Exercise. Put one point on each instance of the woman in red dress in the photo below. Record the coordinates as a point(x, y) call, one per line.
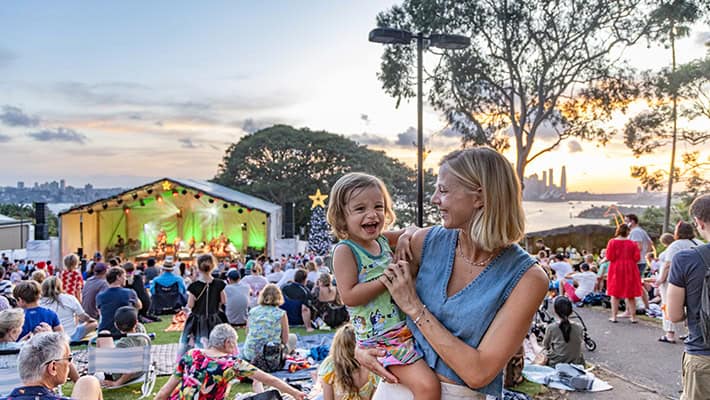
point(623, 281)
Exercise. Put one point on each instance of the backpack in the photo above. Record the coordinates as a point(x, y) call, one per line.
point(704, 320)
point(335, 315)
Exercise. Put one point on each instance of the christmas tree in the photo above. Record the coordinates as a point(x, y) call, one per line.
point(319, 229)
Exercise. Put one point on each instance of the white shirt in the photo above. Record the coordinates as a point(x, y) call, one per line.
point(313, 276)
point(561, 269)
point(274, 277)
point(67, 311)
point(586, 281)
point(288, 276)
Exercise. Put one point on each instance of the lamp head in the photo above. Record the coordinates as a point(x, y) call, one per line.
point(449, 42)
point(390, 36)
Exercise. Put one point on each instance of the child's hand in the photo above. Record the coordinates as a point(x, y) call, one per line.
point(403, 251)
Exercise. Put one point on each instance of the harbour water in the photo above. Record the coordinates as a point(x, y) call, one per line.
point(540, 215)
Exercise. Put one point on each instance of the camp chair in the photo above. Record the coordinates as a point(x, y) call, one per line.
point(9, 377)
point(124, 360)
point(167, 299)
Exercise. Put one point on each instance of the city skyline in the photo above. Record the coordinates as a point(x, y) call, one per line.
point(120, 94)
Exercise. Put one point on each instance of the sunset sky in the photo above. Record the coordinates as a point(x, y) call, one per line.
point(118, 93)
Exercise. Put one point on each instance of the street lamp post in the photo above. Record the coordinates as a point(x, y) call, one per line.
point(442, 41)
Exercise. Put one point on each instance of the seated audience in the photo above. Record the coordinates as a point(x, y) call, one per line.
point(11, 322)
point(151, 270)
point(167, 278)
point(602, 272)
point(5, 284)
point(237, 305)
point(563, 339)
point(191, 377)
point(27, 294)
point(267, 323)
point(313, 274)
point(585, 281)
point(92, 287)
point(113, 298)
point(126, 320)
point(44, 364)
point(325, 298)
point(276, 273)
point(71, 279)
point(134, 280)
point(67, 308)
point(297, 291)
point(256, 282)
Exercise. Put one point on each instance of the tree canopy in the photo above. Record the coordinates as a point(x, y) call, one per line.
point(535, 68)
point(282, 164)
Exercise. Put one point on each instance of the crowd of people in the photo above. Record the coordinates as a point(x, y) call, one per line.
point(396, 298)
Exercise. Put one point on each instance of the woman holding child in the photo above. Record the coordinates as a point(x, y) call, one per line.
point(476, 290)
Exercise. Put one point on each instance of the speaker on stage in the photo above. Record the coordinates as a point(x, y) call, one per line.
point(40, 213)
point(41, 232)
point(288, 221)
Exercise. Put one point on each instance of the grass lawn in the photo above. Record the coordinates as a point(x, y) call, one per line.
point(161, 337)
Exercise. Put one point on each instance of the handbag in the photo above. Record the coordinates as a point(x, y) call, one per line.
point(335, 315)
point(272, 357)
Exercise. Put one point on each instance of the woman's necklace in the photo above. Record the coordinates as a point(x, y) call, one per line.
point(470, 262)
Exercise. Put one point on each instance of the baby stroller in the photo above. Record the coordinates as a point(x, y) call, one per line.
point(543, 318)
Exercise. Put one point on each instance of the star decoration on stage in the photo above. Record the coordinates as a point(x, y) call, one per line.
point(318, 199)
point(166, 186)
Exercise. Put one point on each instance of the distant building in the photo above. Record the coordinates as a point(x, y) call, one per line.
point(545, 189)
point(20, 185)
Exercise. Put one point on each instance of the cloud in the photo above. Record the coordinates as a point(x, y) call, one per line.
point(13, 116)
point(370, 139)
point(702, 38)
point(407, 138)
point(250, 126)
point(5, 138)
point(574, 146)
point(187, 143)
point(59, 135)
point(6, 57)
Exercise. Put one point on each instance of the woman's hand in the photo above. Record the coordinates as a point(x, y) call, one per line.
point(397, 278)
point(368, 359)
point(403, 251)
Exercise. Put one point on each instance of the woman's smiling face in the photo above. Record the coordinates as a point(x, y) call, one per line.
point(457, 204)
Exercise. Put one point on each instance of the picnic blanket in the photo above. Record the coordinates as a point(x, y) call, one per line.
point(178, 322)
point(548, 376)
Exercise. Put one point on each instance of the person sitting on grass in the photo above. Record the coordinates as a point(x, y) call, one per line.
point(27, 294)
point(192, 378)
point(341, 376)
point(126, 321)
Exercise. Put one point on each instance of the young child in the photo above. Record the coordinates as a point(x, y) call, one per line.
point(341, 376)
point(72, 282)
point(126, 320)
point(360, 209)
point(27, 294)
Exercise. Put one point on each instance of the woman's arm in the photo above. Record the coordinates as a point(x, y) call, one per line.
point(190, 300)
point(222, 298)
point(352, 292)
point(284, 329)
point(277, 383)
point(664, 276)
point(168, 388)
point(328, 393)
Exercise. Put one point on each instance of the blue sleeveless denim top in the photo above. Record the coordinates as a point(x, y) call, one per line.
point(468, 313)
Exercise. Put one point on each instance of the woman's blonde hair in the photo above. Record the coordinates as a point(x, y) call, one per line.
point(341, 193)
point(325, 279)
point(38, 276)
point(310, 266)
point(271, 296)
point(71, 261)
point(342, 352)
point(501, 221)
point(10, 319)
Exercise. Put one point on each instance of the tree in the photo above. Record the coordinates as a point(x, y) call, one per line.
point(282, 164)
point(534, 68)
point(27, 213)
point(673, 92)
point(319, 232)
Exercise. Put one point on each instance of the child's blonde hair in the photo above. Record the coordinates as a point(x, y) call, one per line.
point(71, 261)
point(343, 190)
point(271, 296)
point(342, 352)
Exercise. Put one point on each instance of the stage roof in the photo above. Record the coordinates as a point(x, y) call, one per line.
point(204, 187)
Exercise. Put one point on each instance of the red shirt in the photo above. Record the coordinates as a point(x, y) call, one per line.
point(72, 282)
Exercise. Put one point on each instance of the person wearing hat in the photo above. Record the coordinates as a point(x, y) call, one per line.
point(167, 277)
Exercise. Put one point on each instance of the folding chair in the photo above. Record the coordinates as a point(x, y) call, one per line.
point(9, 376)
point(167, 299)
point(125, 360)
